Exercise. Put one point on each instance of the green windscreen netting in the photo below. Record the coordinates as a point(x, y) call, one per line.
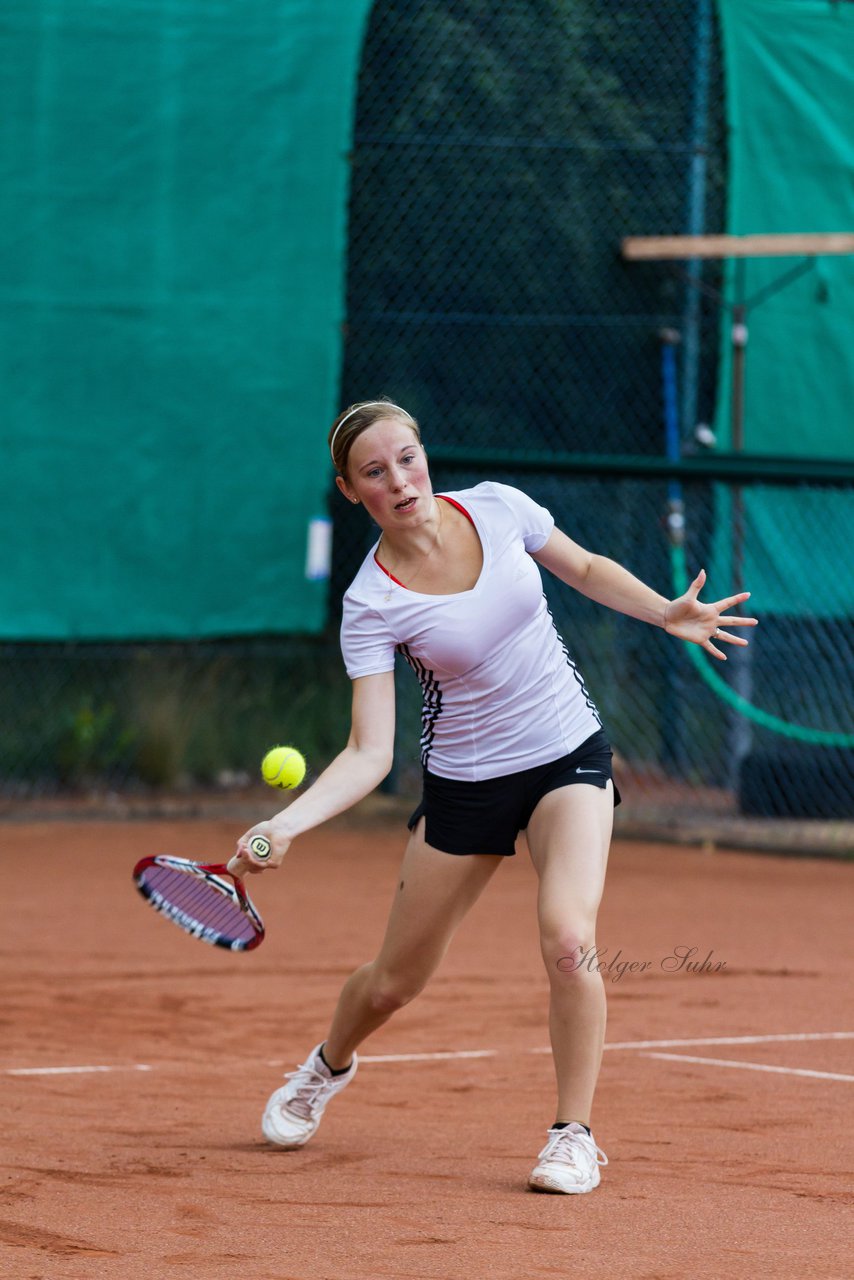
point(174, 177)
point(790, 109)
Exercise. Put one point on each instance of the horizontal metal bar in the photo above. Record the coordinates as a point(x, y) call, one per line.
point(445, 141)
point(497, 320)
point(721, 466)
point(657, 248)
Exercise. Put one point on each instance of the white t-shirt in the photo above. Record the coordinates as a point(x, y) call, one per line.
point(500, 691)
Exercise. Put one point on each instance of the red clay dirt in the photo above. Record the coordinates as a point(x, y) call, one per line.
point(419, 1169)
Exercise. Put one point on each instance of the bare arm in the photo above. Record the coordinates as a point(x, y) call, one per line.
point(608, 583)
point(353, 773)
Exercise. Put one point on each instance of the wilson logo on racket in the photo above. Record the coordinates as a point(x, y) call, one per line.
point(261, 847)
point(203, 899)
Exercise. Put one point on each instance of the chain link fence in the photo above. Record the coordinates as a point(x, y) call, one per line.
point(499, 160)
point(501, 153)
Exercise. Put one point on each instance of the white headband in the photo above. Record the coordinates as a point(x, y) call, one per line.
point(367, 404)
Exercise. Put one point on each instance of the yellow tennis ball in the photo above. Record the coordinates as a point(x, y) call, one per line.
point(283, 767)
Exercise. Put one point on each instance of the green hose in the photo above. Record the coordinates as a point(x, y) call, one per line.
point(820, 737)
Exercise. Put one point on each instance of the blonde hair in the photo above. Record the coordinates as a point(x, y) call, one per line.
point(350, 424)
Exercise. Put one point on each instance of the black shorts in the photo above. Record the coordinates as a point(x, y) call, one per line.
point(486, 817)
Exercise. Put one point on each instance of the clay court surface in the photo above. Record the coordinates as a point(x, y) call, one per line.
point(153, 1166)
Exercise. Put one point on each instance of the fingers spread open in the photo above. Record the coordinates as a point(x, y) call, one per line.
point(732, 620)
point(722, 635)
point(729, 602)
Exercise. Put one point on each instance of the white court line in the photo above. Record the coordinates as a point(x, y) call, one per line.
point(750, 1066)
point(431, 1057)
point(626, 1044)
point(71, 1071)
point(451, 1055)
point(667, 1044)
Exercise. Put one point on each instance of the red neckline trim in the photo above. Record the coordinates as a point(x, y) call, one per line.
point(444, 498)
point(456, 504)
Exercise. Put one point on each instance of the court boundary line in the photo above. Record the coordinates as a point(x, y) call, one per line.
point(462, 1054)
point(75, 1071)
point(750, 1066)
point(762, 1039)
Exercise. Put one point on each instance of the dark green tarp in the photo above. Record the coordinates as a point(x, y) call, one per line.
point(790, 110)
point(174, 179)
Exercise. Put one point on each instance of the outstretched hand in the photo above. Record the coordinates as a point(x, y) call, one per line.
point(689, 619)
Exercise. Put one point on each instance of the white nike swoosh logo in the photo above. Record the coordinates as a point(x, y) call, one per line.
point(598, 772)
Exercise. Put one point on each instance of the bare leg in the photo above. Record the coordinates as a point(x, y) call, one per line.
point(569, 836)
point(436, 890)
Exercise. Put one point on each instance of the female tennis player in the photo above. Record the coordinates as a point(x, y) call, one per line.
point(511, 741)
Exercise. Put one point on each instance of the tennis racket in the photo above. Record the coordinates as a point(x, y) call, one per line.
point(204, 899)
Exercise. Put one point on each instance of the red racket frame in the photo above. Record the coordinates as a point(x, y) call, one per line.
point(201, 869)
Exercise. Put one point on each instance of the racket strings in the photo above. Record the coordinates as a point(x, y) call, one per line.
point(199, 901)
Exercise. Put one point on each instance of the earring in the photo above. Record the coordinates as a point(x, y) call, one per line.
point(355, 501)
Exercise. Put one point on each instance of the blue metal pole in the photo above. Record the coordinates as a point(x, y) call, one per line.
point(673, 744)
point(695, 222)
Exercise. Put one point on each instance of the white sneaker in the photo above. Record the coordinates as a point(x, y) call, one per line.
point(568, 1163)
point(293, 1112)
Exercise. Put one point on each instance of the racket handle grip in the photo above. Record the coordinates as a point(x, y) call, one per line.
point(261, 847)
